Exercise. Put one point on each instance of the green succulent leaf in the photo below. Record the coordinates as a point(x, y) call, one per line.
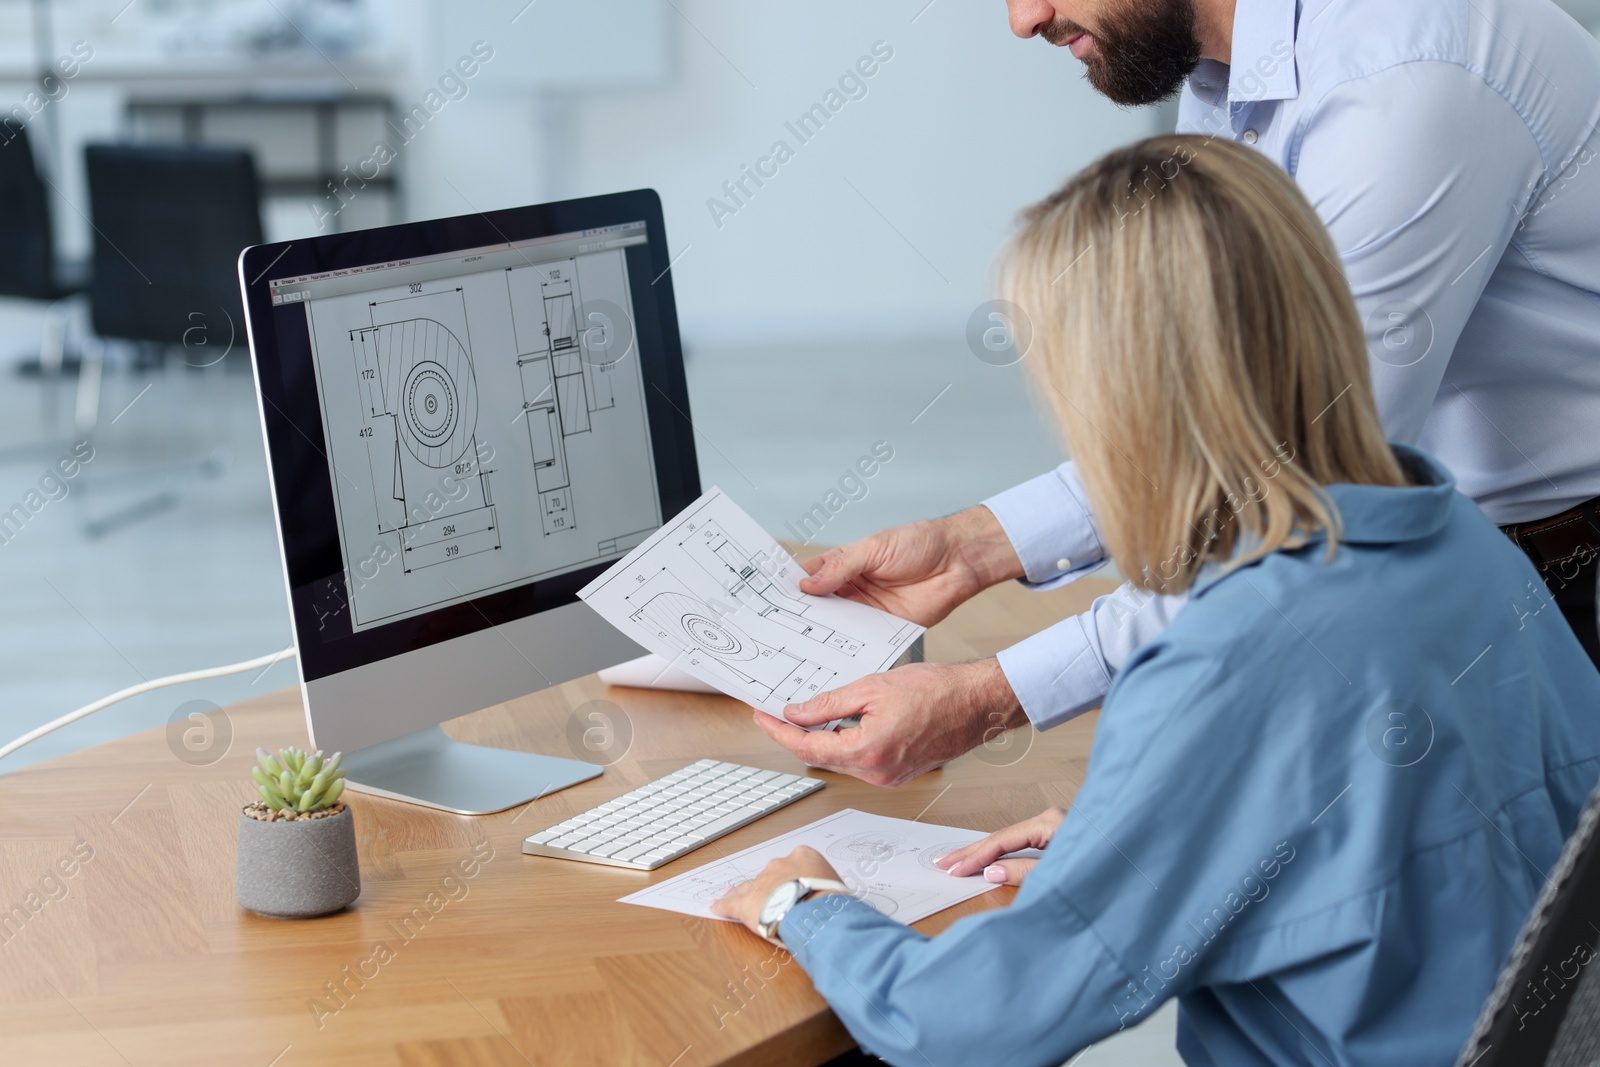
point(295, 780)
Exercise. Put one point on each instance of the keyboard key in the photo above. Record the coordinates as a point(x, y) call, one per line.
point(727, 822)
point(632, 852)
point(565, 841)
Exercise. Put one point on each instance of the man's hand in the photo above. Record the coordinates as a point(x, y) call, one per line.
point(744, 901)
point(913, 719)
point(921, 571)
point(985, 855)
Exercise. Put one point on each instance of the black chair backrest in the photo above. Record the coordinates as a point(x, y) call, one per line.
point(169, 224)
point(1545, 1008)
point(26, 267)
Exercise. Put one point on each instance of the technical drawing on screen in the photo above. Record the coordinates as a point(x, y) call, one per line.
point(486, 425)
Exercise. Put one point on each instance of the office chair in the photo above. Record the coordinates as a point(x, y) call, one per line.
point(169, 221)
point(1545, 1007)
point(27, 261)
point(27, 268)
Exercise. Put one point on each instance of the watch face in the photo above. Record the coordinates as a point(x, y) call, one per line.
point(781, 900)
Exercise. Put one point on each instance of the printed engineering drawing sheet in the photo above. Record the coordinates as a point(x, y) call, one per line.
point(888, 863)
point(715, 595)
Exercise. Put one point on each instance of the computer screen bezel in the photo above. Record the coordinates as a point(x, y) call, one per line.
point(303, 501)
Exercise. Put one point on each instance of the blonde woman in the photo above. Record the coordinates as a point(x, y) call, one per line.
point(1321, 803)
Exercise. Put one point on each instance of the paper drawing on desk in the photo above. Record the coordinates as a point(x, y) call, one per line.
point(716, 596)
point(887, 862)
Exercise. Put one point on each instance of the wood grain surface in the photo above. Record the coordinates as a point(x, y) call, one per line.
point(121, 943)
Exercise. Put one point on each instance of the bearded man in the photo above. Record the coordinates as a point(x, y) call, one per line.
point(1450, 150)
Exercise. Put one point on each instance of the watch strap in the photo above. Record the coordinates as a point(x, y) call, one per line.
point(810, 887)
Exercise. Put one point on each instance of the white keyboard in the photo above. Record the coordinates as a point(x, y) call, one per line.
point(663, 819)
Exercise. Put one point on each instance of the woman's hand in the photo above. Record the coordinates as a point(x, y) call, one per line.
point(985, 855)
point(744, 901)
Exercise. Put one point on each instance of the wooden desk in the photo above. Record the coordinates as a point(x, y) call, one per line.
point(141, 956)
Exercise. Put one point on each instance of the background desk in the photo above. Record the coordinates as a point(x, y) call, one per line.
point(142, 957)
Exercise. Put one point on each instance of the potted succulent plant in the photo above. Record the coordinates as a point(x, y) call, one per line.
point(297, 844)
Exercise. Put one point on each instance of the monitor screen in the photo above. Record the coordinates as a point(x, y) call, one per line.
point(465, 426)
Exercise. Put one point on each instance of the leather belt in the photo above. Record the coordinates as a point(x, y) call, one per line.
point(1572, 535)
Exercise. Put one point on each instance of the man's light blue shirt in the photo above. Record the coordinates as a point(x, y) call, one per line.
point(1318, 809)
point(1451, 150)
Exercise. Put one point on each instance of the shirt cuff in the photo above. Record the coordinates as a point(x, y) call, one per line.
point(1048, 523)
point(812, 926)
point(1057, 674)
point(1064, 671)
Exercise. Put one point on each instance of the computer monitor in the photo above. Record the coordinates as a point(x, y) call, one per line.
point(466, 420)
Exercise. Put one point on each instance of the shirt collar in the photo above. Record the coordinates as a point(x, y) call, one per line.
point(1378, 514)
point(1262, 64)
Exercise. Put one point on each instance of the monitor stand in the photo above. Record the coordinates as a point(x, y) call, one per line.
point(430, 769)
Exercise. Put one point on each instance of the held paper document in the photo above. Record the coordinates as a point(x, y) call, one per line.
point(716, 596)
point(887, 862)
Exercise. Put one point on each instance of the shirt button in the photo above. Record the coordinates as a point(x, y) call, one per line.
point(1063, 564)
point(1249, 137)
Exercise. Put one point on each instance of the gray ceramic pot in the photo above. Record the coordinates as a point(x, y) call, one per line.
point(298, 869)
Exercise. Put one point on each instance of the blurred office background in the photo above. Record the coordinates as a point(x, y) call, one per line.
point(823, 311)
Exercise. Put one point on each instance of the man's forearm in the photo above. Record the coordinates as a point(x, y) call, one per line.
point(991, 691)
point(983, 546)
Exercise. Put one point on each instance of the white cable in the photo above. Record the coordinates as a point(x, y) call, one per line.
point(145, 687)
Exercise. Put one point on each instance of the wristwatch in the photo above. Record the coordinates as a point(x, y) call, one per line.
point(786, 896)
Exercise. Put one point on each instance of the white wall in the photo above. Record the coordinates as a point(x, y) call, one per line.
point(959, 130)
point(963, 127)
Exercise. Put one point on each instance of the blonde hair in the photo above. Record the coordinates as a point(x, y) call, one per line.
point(1194, 334)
